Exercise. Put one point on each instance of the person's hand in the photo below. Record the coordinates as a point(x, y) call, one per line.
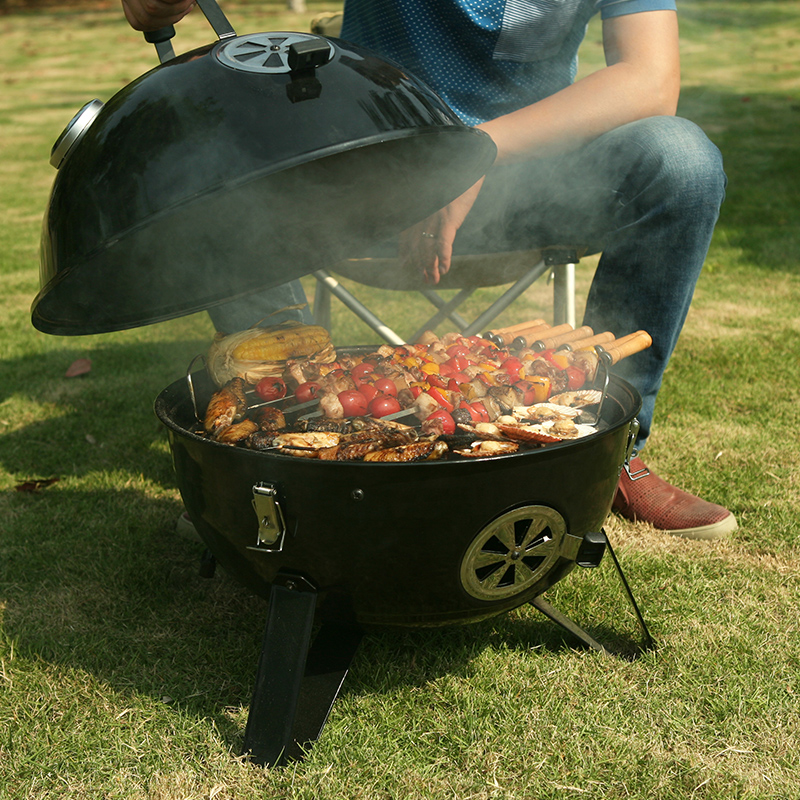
point(428, 245)
point(150, 15)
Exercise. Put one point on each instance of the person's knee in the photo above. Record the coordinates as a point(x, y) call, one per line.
point(682, 156)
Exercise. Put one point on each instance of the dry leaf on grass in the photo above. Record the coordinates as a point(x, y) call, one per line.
point(79, 367)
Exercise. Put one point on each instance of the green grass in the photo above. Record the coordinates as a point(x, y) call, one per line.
point(125, 675)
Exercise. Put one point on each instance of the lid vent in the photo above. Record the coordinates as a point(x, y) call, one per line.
point(265, 52)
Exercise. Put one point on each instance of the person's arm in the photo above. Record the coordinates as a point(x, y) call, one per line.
point(150, 15)
point(641, 79)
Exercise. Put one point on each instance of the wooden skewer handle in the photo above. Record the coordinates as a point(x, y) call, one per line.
point(623, 339)
point(528, 338)
point(606, 339)
point(521, 337)
point(551, 342)
point(628, 345)
point(534, 323)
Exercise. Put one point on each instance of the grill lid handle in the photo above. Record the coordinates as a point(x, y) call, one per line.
point(213, 13)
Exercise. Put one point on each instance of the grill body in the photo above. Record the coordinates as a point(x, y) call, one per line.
point(401, 544)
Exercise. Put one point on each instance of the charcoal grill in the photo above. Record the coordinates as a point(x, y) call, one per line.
point(194, 185)
point(344, 544)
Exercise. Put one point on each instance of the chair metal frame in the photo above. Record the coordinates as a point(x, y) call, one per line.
point(556, 262)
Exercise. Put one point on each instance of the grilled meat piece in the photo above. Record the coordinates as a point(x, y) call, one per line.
point(323, 424)
point(486, 449)
point(238, 432)
point(418, 451)
point(260, 440)
point(227, 405)
point(352, 451)
point(270, 418)
point(310, 440)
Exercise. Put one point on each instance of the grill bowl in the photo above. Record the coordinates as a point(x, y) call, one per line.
point(417, 544)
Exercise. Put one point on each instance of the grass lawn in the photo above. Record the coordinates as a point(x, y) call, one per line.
point(123, 674)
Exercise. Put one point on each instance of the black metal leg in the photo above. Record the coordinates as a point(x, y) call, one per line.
point(565, 622)
point(599, 542)
point(208, 564)
point(295, 687)
point(328, 664)
point(280, 673)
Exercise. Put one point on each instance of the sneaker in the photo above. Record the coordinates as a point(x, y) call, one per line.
point(651, 499)
point(185, 528)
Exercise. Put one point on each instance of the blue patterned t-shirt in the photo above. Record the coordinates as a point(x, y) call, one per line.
point(485, 58)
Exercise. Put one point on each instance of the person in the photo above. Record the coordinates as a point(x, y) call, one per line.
point(601, 161)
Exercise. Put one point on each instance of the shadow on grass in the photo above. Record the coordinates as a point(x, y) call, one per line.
point(98, 421)
point(119, 596)
point(756, 133)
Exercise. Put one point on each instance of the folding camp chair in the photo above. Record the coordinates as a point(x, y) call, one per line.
point(467, 274)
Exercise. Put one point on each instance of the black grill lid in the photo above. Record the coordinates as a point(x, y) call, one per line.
point(238, 166)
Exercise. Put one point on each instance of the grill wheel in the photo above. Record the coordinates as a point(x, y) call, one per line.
point(513, 552)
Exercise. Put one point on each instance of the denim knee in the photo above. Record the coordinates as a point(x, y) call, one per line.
point(679, 156)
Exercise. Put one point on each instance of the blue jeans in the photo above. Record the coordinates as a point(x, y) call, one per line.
point(244, 312)
point(647, 195)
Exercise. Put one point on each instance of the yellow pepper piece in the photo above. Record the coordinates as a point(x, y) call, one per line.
point(541, 387)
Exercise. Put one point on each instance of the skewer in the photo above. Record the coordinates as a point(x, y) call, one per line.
point(627, 346)
point(527, 339)
point(571, 336)
point(604, 338)
point(519, 326)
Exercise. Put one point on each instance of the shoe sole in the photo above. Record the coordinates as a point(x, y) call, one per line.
point(717, 530)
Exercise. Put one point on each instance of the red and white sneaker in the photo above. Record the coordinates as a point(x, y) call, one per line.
point(651, 499)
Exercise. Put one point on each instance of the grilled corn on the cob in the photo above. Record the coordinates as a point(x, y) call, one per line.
point(259, 352)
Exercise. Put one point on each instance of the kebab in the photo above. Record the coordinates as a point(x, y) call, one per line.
point(449, 384)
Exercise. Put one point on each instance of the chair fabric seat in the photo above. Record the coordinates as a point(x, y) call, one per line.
point(467, 272)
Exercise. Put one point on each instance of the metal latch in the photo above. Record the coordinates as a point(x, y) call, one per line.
point(271, 525)
point(633, 432)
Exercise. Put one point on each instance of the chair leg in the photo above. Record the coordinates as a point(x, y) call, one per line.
point(564, 294)
point(482, 322)
point(447, 310)
point(357, 307)
point(322, 305)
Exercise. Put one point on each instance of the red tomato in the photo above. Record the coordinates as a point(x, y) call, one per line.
point(575, 377)
point(475, 416)
point(530, 393)
point(369, 390)
point(309, 390)
point(456, 363)
point(448, 423)
point(456, 350)
point(271, 388)
point(386, 386)
point(512, 366)
point(384, 404)
point(361, 371)
point(446, 368)
point(354, 404)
